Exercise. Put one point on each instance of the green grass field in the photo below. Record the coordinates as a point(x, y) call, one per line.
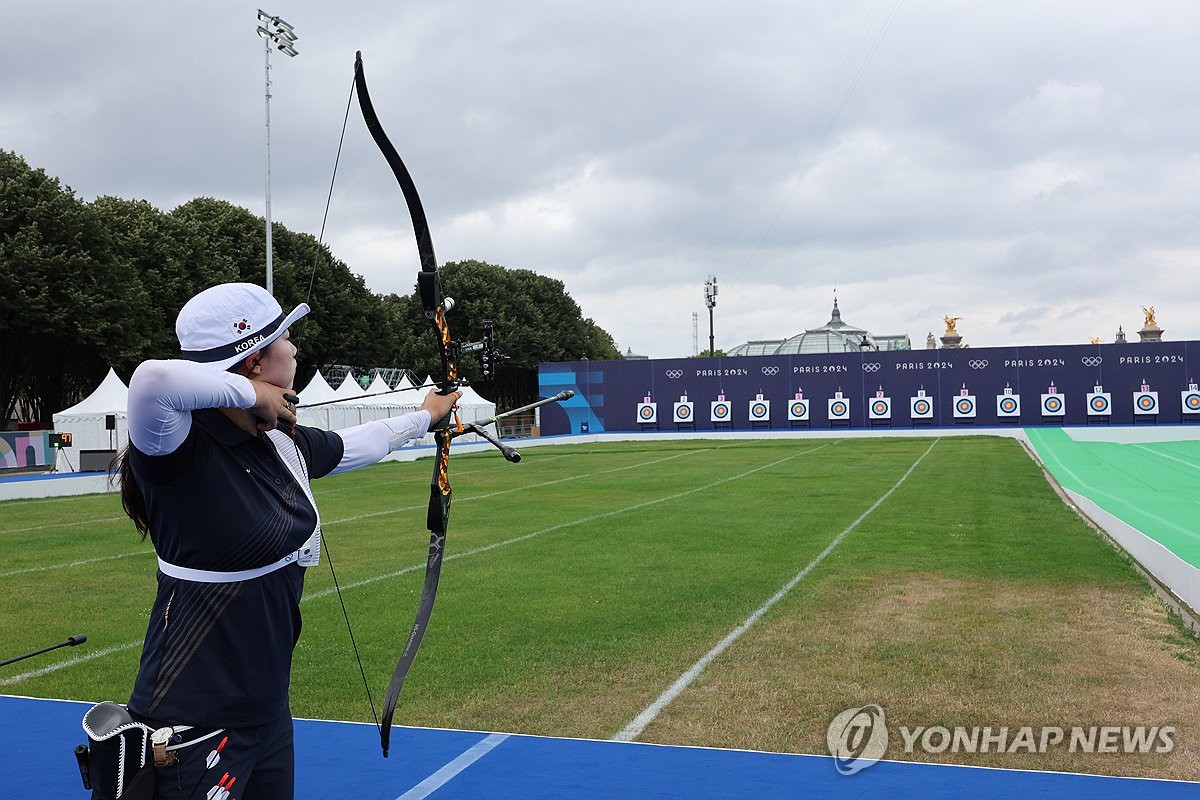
point(580, 583)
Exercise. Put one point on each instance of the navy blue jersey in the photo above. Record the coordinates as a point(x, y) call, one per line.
point(219, 654)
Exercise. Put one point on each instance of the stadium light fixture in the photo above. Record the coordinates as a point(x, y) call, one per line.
point(710, 300)
point(276, 31)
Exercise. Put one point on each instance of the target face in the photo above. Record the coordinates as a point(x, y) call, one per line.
point(1008, 405)
point(1098, 404)
point(646, 412)
point(1191, 402)
point(758, 410)
point(880, 408)
point(922, 407)
point(720, 411)
point(964, 406)
point(798, 409)
point(1052, 404)
point(838, 409)
point(1146, 402)
point(683, 412)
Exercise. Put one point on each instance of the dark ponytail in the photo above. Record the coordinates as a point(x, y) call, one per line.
point(131, 494)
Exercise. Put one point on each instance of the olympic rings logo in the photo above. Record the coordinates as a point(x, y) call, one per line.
point(977, 363)
point(1008, 405)
point(1091, 361)
point(770, 370)
point(873, 366)
point(674, 373)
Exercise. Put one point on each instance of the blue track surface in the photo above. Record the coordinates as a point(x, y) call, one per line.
point(342, 760)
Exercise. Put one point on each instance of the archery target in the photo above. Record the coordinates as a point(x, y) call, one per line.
point(880, 408)
point(839, 409)
point(683, 411)
point(760, 410)
point(798, 410)
point(720, 410)
point(964, 406)
point(1145, 403)
point(1008, 405)
point(647, 413)
point(920, 407)
point(1099, 404)
point(1191, 401)
point(1054, 405)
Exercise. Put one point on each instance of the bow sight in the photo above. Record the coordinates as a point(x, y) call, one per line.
point(489, 353)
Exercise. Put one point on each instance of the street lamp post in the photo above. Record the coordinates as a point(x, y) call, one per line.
point(273, 30)
point(710, 300)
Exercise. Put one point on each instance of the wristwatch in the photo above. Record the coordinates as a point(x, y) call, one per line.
point(158, 745)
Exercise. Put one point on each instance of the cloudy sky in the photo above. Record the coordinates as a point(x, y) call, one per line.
point(1032, 167)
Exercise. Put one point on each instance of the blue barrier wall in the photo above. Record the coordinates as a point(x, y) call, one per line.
point(611, 395)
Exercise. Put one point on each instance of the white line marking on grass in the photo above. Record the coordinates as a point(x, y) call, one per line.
point(79, 563)
point(70, 662)
point(62, 525)
point(447, 773)
point(559, 526)
point(639, 723)
point(413, 479)
point(517, 488)
point(346, 587)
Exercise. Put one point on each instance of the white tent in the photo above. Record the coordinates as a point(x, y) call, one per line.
point(317, 391)
point(349, 388)
point(87, 421)
point(474, 407)
point(378, 386)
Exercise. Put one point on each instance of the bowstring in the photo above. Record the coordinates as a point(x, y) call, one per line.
point(329, 197)
point(311, 279)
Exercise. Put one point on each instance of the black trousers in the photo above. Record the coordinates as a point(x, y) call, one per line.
point(256, 763)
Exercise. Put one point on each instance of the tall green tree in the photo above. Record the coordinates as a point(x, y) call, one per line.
point(535, 318)
point(68, 306)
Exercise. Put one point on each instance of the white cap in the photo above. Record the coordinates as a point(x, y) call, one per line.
point(225, 324)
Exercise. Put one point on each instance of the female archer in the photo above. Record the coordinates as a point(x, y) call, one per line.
point(217, 474)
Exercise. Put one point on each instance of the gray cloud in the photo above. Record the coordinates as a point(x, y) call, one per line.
point(966, 159)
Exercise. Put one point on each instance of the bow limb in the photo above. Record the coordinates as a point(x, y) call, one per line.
point(434, 306)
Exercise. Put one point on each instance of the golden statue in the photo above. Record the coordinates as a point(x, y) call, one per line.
point(1094, 339)
point(1150, 321)
point(950, 323)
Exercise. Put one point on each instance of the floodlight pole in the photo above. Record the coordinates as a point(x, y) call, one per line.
point(283, 36)
point(710, 300)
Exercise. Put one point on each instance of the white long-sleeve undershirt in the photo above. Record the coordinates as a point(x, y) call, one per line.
point(162, 395)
